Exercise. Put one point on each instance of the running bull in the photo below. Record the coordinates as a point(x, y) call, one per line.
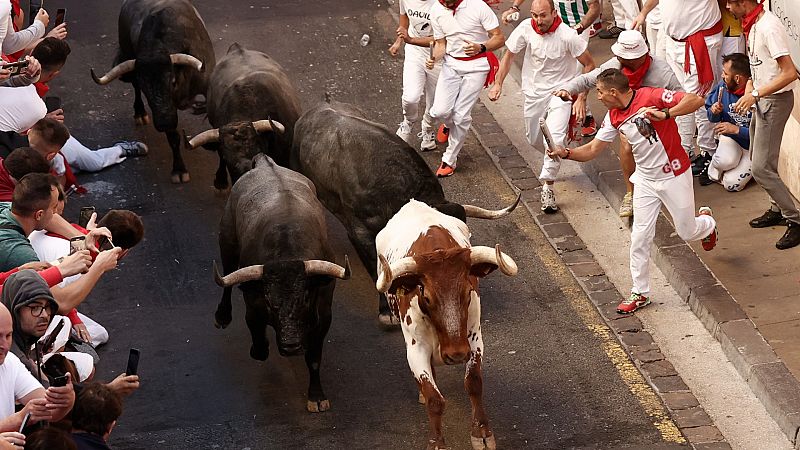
point(247, 88)
point(274, 244)
point(165, 52)
point(430, 272)
point(364, 174)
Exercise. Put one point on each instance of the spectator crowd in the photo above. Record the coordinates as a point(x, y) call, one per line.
point(49, 396)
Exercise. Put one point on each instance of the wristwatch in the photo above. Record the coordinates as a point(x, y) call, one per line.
point(665, 111)
point(579, 28)
point(754, 93)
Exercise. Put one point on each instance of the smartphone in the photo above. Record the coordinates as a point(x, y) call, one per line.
point(59, 381)
point(60, 13)
point(133, 362)
point(24, 422)
point(85, 215)
point(77, 244)
point(16, 67)
point(104, 243)
point(52, 103)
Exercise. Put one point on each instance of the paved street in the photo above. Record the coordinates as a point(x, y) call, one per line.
point(553, 378)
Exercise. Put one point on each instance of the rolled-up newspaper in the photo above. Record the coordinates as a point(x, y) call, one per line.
point(430, 49)
point(548, 138)
point(719, 94)
point(513, 17)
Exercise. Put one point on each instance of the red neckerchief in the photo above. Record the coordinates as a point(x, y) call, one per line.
point(70, 179)
point(738, 92)
point(750, 19)
point(556, 22)
point(458, 2)
point(635, 77)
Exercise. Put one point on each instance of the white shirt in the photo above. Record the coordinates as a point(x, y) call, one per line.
point(682, 18)
point(768, 41)
point(549, 59)
point(470, 23)
point(50, 248)
point(20, 108)
point(419, 24)
point(15, 383)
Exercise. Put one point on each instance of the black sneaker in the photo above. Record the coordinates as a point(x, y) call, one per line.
point(791, 238)
point(700, 164)
point(703, 178)
point(133, 148)
point(610, 32)
point(768, 219)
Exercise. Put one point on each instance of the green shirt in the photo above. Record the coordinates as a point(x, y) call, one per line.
point(15, 248)
point(572, 11)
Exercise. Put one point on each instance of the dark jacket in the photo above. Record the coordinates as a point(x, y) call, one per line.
point(729, 115)
point(89, 441)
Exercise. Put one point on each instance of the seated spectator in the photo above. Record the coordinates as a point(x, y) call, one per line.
point(33, 208)
point(50, 438)
point(96, 411)
point(127, 230)
point(730, 164)
point(19, 163)
point(33, 307)
point(17, 385)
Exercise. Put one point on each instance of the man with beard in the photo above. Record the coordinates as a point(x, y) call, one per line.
point(642, 69)
point(662, 175)
point(731, 162)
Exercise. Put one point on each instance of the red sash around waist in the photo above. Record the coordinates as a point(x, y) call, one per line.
point(494, 64)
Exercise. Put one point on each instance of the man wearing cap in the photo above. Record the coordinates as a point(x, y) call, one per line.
point(693, 35)
point(551, 52)
point(466, 33)
point(642, 69)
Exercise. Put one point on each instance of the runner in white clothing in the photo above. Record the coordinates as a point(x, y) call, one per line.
point(662, 177)
point(415, 30)
point(466, 33)
point(551, 51)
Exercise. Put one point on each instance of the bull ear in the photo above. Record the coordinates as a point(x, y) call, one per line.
point(406, 283)
point(482, 269)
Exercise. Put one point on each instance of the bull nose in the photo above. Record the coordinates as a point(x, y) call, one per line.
point(455, 355)
point(290, 349)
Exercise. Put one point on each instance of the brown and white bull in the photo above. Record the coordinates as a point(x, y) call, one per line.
point(430, 272)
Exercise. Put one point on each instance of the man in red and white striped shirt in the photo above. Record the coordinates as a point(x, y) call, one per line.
point(662, 177)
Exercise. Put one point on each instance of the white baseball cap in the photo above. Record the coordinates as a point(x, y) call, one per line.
point(630, 45)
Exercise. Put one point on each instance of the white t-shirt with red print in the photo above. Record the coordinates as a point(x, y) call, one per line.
point(656, 145)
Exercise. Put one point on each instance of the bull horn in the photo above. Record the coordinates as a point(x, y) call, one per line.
point(322, 267)
point(480, 213)
point(262, 126)
point(183, 59)
point(389, 273)
point(115, 72)
point(487, 255)
point(206, 137)
point(249, 273)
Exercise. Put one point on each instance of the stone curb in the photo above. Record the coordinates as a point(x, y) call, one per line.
point(690, 418)
point(769, 378)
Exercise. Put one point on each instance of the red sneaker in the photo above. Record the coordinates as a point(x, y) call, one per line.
point(444, 170)
point(634, 302)
point(710, 241)
point(443, 134)
point(589, 127)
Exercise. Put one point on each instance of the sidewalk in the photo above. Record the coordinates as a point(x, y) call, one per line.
point(745, 292)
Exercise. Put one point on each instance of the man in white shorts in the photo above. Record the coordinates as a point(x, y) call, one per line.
point(415, 30)
point(466, 34)
point(552, 51)
point(662, 176)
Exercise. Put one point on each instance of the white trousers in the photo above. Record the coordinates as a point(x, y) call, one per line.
point(556, 113)
point(456, 93)
point(625, 11)
point(731, 45)
point(656, 41)
point(689, 81)
point(677, 195)
point(418, 80)
point(731, 165)
point(81, 158)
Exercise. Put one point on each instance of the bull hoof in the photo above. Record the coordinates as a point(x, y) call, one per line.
point(222, 192)
point(259, 354)
point(318, 407)
point(483, 443)
point(142, 120)
point(222, 320)
point(421, 399)
point(198, 108)
point(437, 445)
point(388, 321)
point(180, 177)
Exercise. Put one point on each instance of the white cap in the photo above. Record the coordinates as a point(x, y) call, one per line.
point(630, 45)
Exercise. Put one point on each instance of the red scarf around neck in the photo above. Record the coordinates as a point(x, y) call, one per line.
point(635, 77)
point(750, 19)
point(458, 2)
point(556, 22)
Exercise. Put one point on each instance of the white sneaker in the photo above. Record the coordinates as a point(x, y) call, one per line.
point(626, 208)
point(428, 140)
point(549, 201)
point(404, 131)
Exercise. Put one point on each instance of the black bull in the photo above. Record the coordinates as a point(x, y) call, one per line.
point(165, 52)
point(273, 240)
point(364, 174)
point(247, 88)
